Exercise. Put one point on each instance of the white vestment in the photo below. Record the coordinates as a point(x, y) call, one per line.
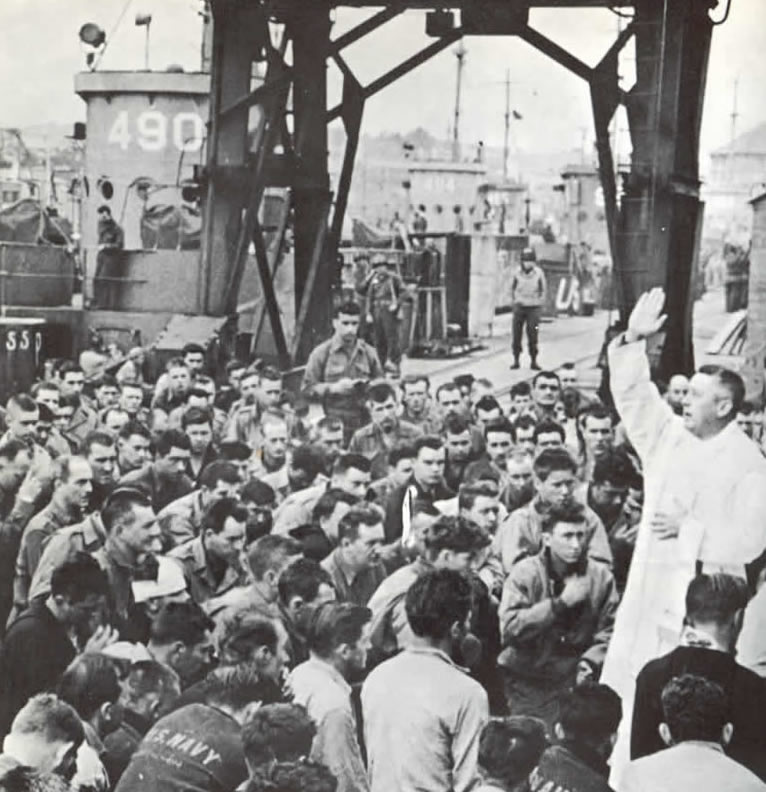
point(717, 485)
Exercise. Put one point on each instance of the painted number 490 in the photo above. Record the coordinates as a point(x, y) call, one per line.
point(153, 130)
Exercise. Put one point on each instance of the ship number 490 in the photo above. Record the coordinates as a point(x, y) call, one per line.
point(152, 130)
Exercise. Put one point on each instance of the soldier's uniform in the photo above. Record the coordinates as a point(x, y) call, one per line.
point(383, 291)
point(200, 580)
point(372, 442)
point(330, 362)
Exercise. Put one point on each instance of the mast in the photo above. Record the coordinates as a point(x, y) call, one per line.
point(460, 54)
point(506, 138)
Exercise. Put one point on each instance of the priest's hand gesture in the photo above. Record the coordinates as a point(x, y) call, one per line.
point(647, 317)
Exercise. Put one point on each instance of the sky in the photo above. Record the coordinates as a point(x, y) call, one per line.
point(40, 53)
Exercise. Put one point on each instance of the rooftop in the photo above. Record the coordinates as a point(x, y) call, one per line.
point(750, 142)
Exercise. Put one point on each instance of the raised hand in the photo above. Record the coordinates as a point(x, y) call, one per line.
point(647, 317)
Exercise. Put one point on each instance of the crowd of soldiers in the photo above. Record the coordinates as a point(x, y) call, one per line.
point(209, 585)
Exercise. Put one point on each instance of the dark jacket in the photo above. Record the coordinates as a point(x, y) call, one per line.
point(35, 653)
point(544, 639)
point(412, 490)
point(160, 490)
point(122, 743)
point(745, 690)
point(570, 767)
point(194, 749)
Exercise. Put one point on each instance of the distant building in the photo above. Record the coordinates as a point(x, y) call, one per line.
point(584, 219)
point(737, 173)
point(21, 172)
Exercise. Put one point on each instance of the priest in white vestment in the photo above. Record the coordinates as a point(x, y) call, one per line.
point(704, 508)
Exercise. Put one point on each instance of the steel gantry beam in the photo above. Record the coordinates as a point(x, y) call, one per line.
point(653, 221)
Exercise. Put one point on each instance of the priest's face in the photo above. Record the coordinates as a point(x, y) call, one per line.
point(705, 405)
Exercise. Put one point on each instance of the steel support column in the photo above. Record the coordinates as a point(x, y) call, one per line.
point(238, 31)
point(661, 211)
point(309, 26)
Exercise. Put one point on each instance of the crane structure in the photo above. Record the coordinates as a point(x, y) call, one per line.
point(653, 216)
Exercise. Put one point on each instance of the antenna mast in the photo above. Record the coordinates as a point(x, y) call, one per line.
point(460, 54)
point(506, 139)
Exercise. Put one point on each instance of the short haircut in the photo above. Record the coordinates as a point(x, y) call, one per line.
point(215, 516)
point(549, 427)
point(150, 676)
point(614, 467)
point(219, 471)
point(234, 365)
point(62, 466)
point(456, 425)
point(551, 460)
point(432, 442)
point(120, 504)
point(571, 513)
point(328, 500)
point(308, 458)
point(271, 373)
point(469, 492)
point(133, 428)
point(400, 452)
point(362, 514)
point(329, 424)
point(196, 415)
point(105, 381)
point(487, 404)
point(333, 624)
point(510, 748)
point(96, 438)
point(239, 636)
point(715, 599)
point(349, 308)
point(380, 392)
point(456, 534)
point(521, 389)
point(597, 412)
point(347, 461)
point(234, 451)
point(524, 422)
point(413, 379)
point(302, 578)
point(694, 708)
point(125, 384)
point(239, 685)
point(258, 492)
point(277, 733)
point(269, 553)
point(69, 367)
point(45, 385)
point(500, 425)
point(180, 621)
point(12, 447)
point(731, 382)
point(171, 438)
point(590, 712)
point(79, 578)
point(196, 349)
point(447, 386)
point(22, 402)
point(47, 715)
point(436, 600)
point(90, 681)
point(302, 776)
point(545, 375)
point(176, 363)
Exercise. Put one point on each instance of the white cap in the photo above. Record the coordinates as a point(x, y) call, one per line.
point(170, 580)
point(124, 650)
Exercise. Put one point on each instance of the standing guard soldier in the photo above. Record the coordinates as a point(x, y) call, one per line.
point(339, 370)
point(383, 289)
